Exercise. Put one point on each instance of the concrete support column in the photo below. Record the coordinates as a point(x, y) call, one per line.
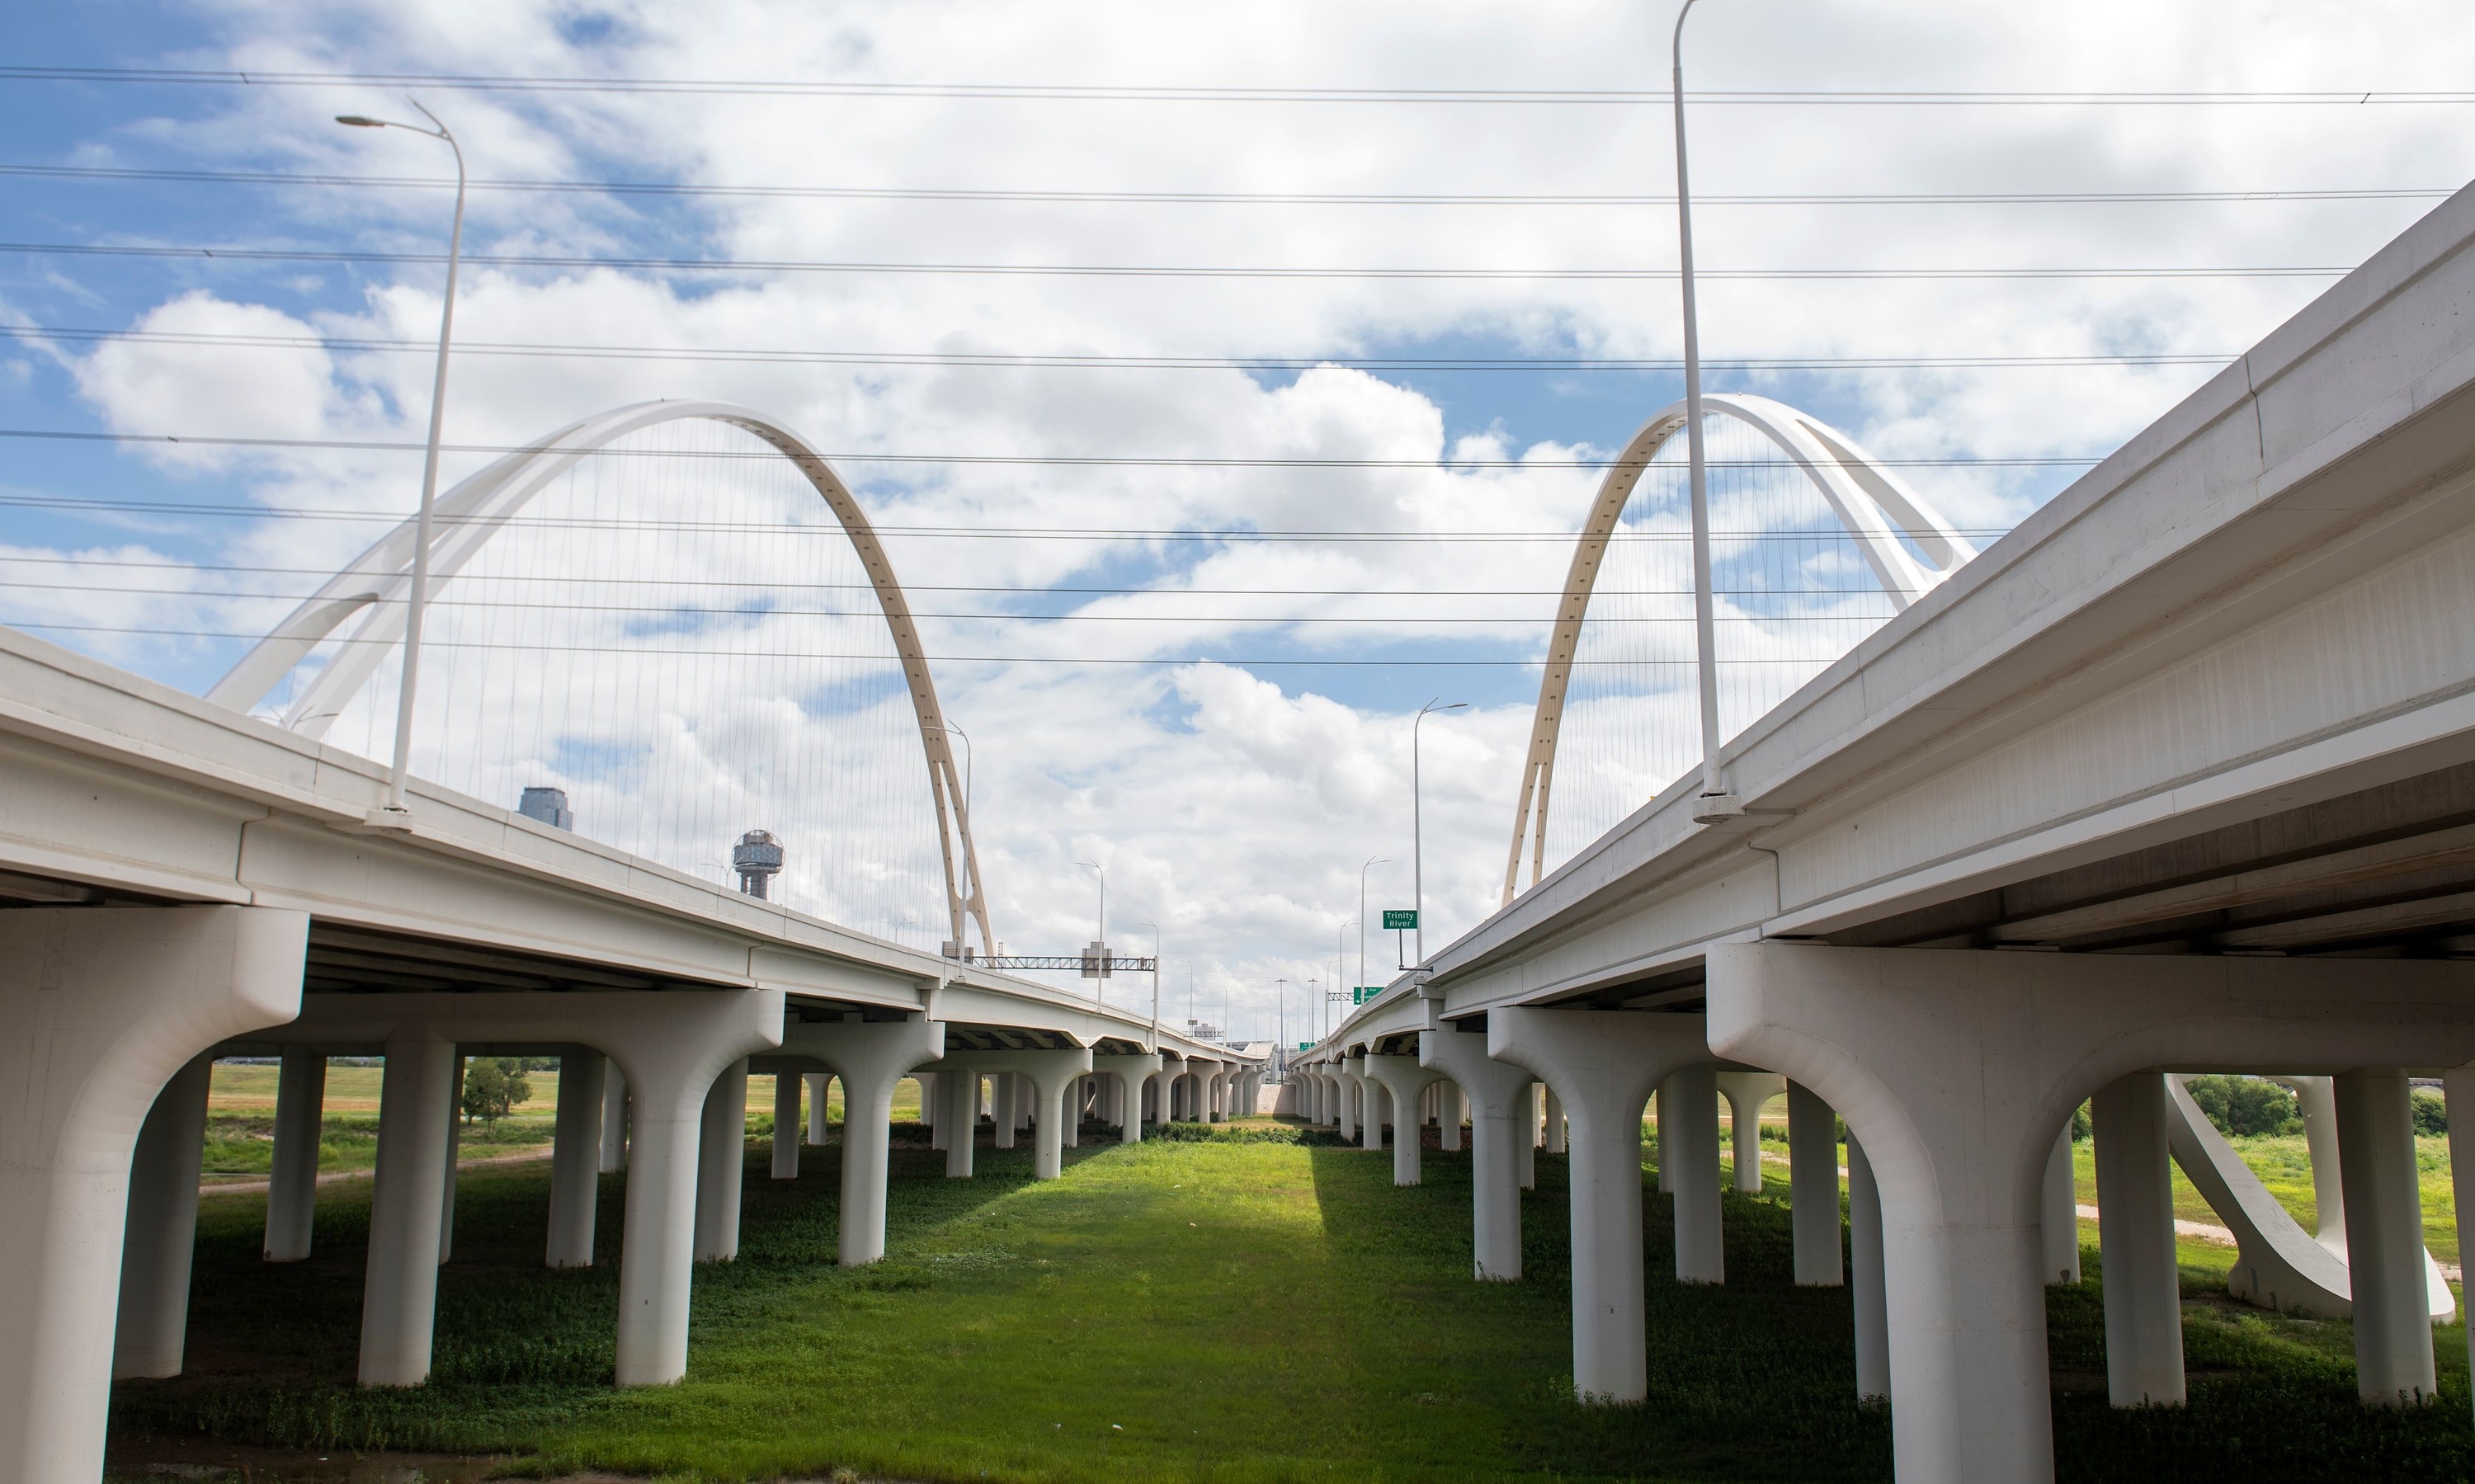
point(160, 1235)
point(1553, 1142)
point(932, 1108)
point(786, 1125)
point(2316, 1098)
point(1121, 1080)
point(1496, 1091)
point(870, 1057)
point(1525, 1140)
point(2393, 1362)
point(454, 1163)
point(1666, 1160)
point(1745, 1092)
point(1604, 1064)
point(98, 1010)
point(674, 1056)
point(2143, 1300)
point(1346, 1087)
point(721, 1164)
point(1406, 1082)
point(407, 1200)
point(1869, 1297)
point(670, 1047)
point(614, 1120)
point(819, 1129)
point(1955, 1066)
point(575, 1157)
point(1051, 1073)
point(1003, 1095)
point(1377, 1111)
point(2459, 1087)
point(961, 1110)
point(1813, 1188)
point(1043, 1078)
point(2060, 1209)
point(1070, 1118)
point(292, 1184)
point(1450, 1114)
point(1688, 1119)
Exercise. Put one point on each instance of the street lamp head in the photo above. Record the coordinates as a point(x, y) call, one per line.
point(357, 121)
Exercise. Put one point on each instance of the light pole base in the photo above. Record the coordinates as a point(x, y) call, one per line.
point(1717, 808)
point(397, 819)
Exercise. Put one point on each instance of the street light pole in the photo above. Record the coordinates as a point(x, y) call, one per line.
point(1716, 803)
point(1100, 972)
point(1417, 837)
point(397, 814)
point(1371, 861)
point(1338, 963)
point(1156, 947)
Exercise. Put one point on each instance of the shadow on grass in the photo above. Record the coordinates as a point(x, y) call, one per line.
point(273, 1347)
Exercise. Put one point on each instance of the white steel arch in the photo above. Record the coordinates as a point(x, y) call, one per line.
point(374, 585)
point(1873, 505)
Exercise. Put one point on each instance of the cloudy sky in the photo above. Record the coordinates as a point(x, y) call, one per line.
point(1405, 280)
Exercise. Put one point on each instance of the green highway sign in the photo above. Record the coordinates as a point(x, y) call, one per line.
point(1395, 917)
point(1363, 993)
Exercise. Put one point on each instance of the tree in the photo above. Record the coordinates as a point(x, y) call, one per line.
point(2246, 1105)
point(494, 1086)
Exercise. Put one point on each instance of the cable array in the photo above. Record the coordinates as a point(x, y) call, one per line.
point(675, 727)
point(1788, 606)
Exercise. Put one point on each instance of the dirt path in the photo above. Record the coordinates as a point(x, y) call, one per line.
point(258, 1187)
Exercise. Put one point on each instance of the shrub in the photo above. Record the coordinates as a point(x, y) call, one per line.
point(2431, 1110)
point(2246, 1105)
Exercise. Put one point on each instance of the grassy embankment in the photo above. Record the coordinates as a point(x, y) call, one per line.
point(1215, 1310)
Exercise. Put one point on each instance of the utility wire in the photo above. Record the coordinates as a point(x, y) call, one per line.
point(693, 190)
point(575, 580)
point(1034, 460)
point(1046, 360)
point(1209, 93)
point(1158, 269)
point(892, 660)
point(767, 614)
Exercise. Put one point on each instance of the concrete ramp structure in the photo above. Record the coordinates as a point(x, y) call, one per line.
point(2174, 776)
point(2278, 1265)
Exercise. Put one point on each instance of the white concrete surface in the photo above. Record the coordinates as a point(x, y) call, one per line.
point(2144, 1296)
point(161, 1230)
point(575, 1158)
point(1603, 1067)
point(292, 1176)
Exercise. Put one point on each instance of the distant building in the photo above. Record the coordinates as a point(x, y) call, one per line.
point(758, 857)
point(548, 806)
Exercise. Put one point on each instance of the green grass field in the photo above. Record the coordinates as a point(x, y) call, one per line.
point(1237, 1307)
point(240, 1120)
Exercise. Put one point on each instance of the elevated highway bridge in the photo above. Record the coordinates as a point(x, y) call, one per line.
point(181, 880)
point(2179, 775)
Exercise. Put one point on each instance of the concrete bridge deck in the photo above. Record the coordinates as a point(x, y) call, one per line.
point(2179, 774)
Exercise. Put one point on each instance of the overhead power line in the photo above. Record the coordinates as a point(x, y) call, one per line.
point(171, 568)
point(941, 659)
point(1151, 270)
point(1045, 360)
point(1216, 93)
point(701, 190)
point(1031, 460)
point(488, 605)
